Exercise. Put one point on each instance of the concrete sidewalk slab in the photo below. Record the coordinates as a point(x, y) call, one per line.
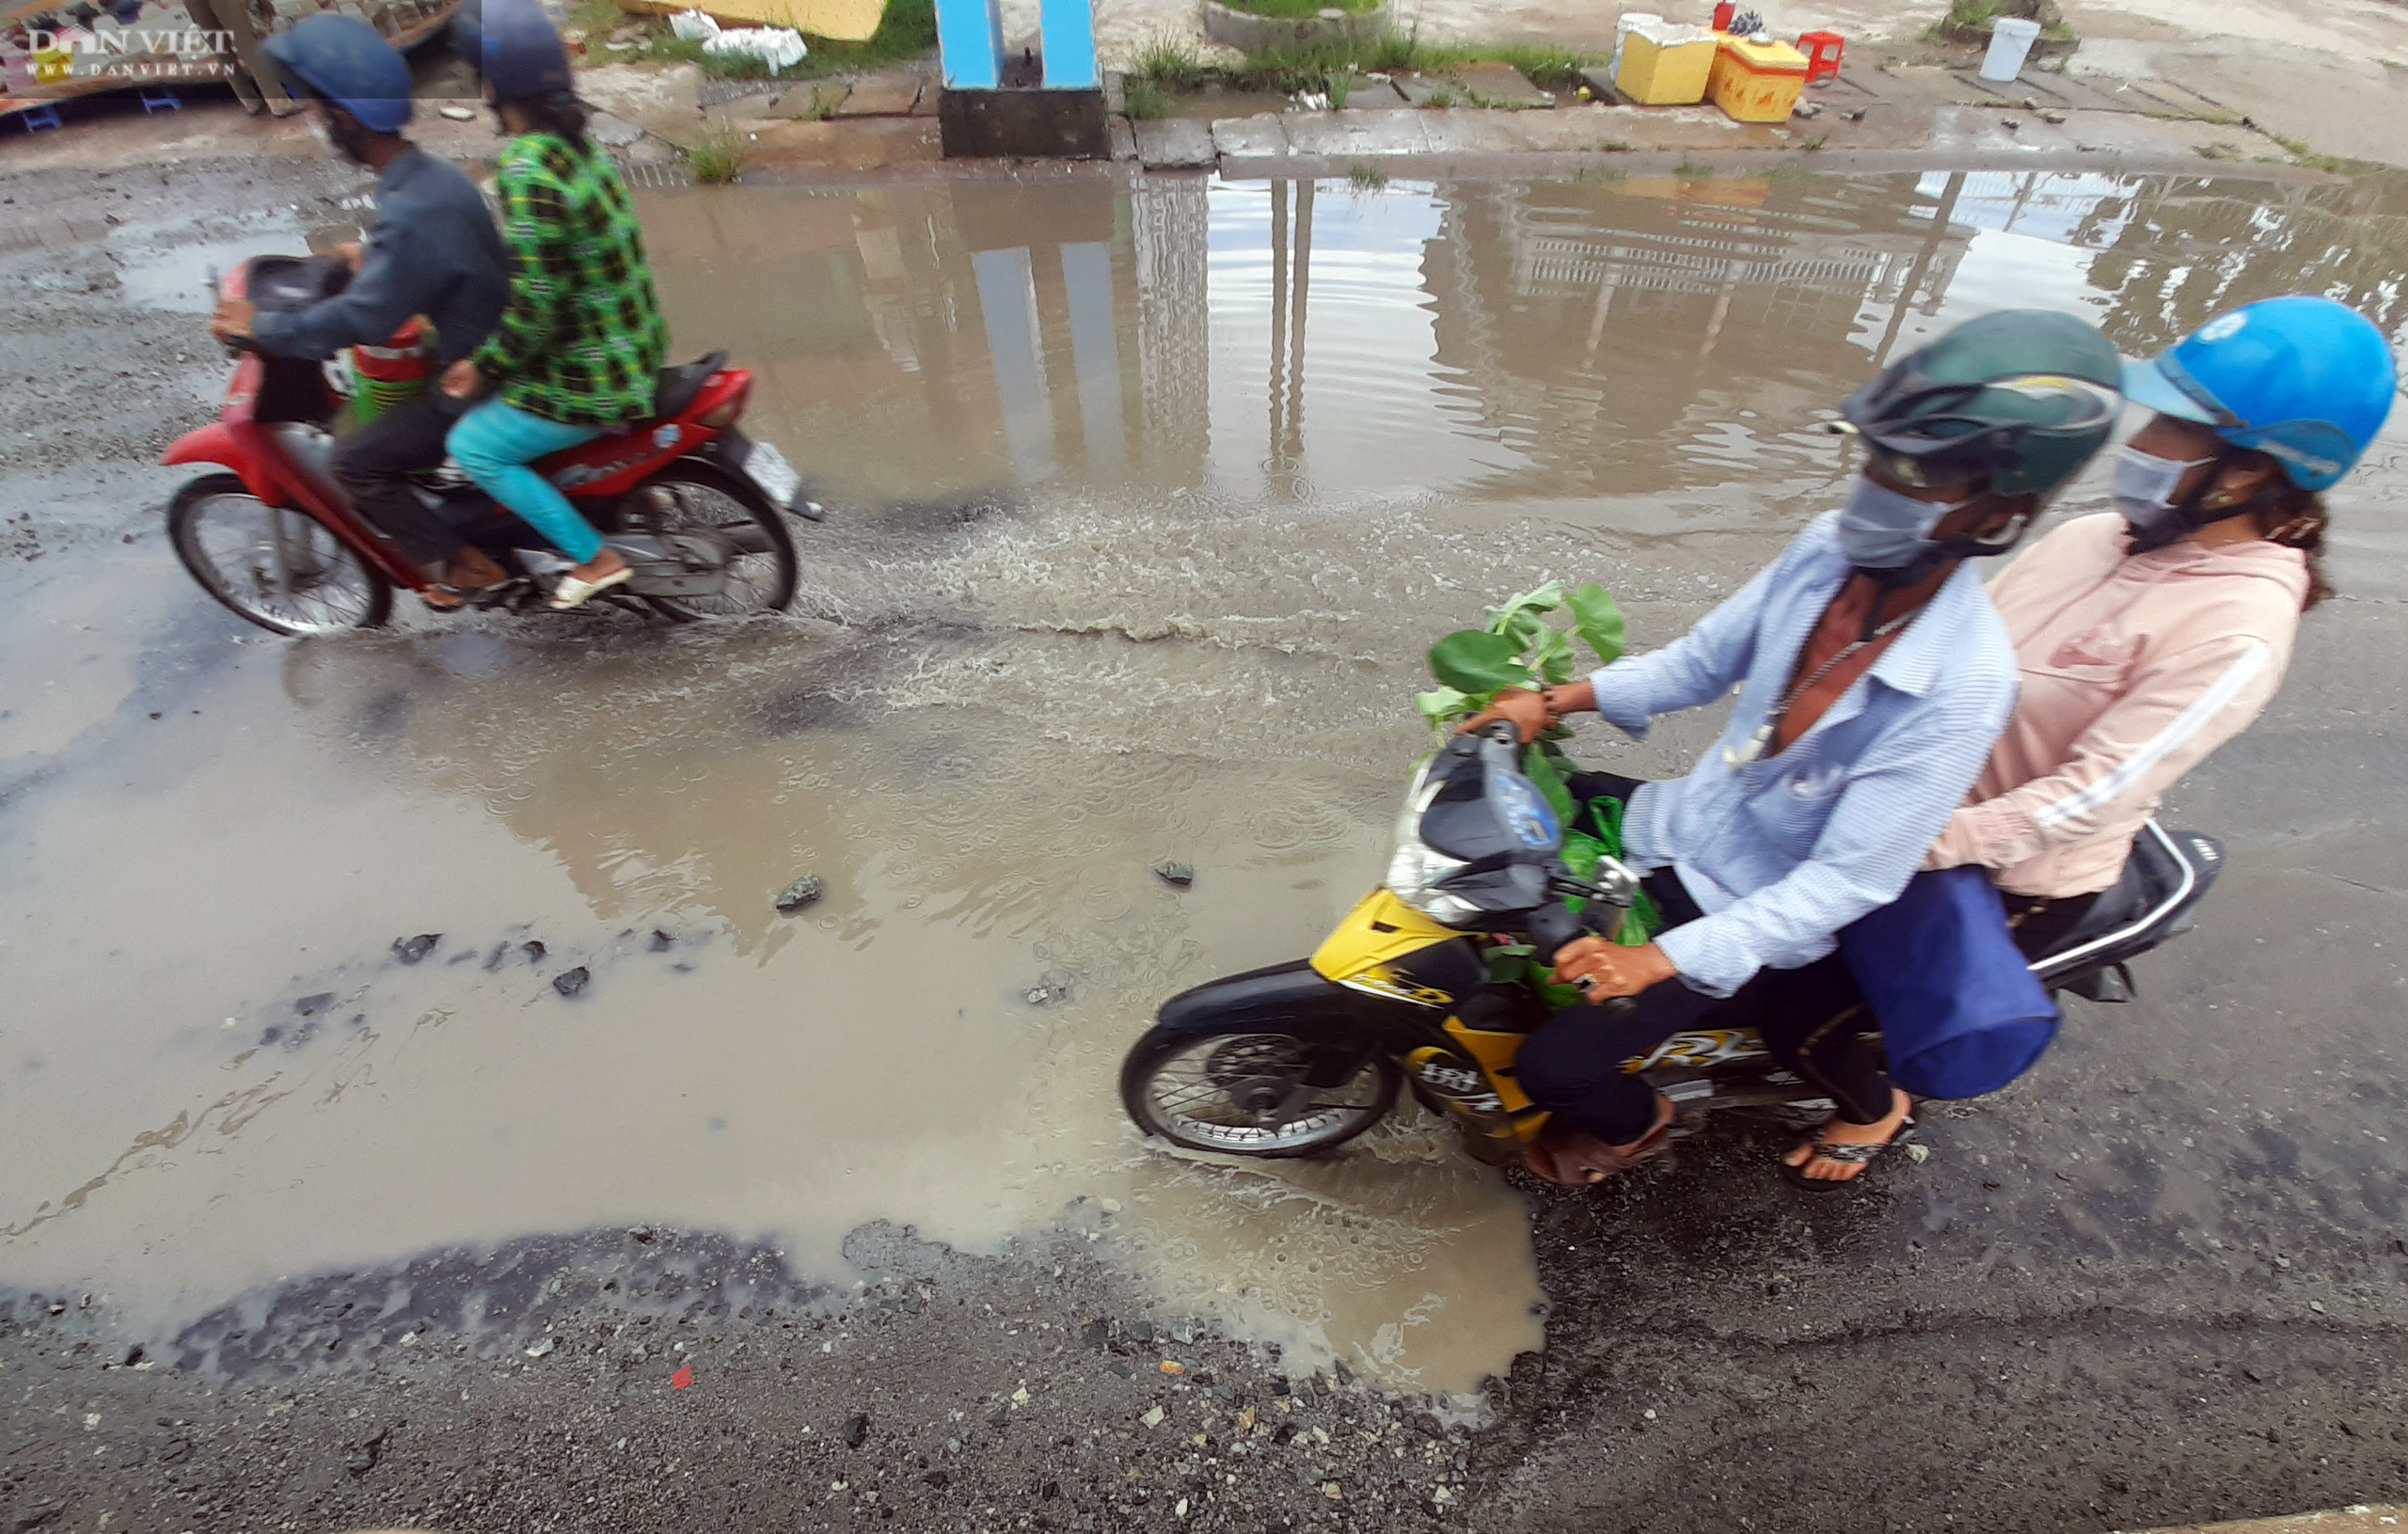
point(1262, 136)
point(2360, 1520)
point(1175, 144)
point(1366, 135)
point(889, 95)
point(1500, 86)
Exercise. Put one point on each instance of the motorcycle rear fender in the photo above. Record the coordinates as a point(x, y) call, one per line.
point(218, 444)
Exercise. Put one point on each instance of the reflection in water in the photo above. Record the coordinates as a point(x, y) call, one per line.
point(1630, 335)
point(1150, 497)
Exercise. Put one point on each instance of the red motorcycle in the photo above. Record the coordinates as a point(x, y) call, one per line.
point(696, 508)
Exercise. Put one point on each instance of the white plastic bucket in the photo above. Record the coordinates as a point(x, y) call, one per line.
point(2010, 45)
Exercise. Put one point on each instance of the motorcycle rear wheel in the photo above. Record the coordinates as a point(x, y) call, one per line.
point(760, 579)
point(1243, 1093)
point(277, 566)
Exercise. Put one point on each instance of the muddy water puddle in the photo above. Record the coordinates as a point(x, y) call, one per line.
point(1147, 498)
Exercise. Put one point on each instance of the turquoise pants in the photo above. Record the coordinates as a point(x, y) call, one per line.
point(495, 442)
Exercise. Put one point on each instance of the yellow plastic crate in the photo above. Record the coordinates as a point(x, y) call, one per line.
point(1665, 66)
point(1756, 79)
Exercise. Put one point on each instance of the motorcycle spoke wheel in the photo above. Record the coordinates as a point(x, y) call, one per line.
point(281, 568)
point(760, 564)
point(1246, 1094)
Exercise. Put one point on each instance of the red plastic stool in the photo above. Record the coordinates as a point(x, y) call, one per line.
point(1822, 50)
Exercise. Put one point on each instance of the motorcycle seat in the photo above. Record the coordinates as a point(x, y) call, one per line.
point(2161, 865)
point(678, 385)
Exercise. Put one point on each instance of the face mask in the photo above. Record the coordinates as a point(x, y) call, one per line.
point(2143, 487)
point(1882, 529)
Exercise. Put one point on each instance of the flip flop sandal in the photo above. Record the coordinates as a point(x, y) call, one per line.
point(1847, 1153)
point(573, 591)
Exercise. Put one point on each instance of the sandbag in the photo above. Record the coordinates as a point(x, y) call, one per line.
point(1961, 1012)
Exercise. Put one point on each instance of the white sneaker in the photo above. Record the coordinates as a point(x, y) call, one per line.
point(573, 591)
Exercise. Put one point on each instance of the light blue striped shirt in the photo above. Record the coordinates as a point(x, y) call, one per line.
point(1783, 852)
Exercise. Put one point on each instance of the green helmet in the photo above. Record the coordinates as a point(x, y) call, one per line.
point(2020, 399)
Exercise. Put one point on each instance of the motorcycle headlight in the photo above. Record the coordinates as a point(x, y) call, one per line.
point(1416, 867)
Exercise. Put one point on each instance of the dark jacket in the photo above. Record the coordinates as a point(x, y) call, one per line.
point(434, 251)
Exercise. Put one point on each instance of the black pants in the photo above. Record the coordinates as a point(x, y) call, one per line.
point(1814, 1019)
point(1573, 1064)
point(371, 463)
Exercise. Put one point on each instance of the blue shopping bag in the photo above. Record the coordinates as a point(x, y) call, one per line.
point(1961, 1012)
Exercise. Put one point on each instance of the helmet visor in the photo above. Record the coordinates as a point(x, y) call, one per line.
point(2147, 384)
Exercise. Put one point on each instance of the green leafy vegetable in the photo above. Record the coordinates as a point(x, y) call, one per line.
point(1597, 619)
point(1479, 663)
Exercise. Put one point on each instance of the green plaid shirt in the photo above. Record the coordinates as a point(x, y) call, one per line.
point(582, 341)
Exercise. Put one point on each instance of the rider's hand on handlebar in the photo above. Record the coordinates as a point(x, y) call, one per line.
point(231, 323)
point(462, 381)
point(1602, 970)
point(1526, 711)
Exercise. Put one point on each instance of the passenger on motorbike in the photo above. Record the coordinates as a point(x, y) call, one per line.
point(2144, 640)
point(1875, 677)
point(434, 251)
point(579, 347)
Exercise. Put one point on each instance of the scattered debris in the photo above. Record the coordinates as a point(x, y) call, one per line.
point(1153, 1418)
point(410, 950)
point(661, 941)
point(460, 114)
point(1177, 875)
point(1173, 1367)
point(540, 1348)
point(683, 1378)
point(1918, 1153)
point(801, 893)
point(641, 1233)
point(534, 952)
point(569, 982)
point(2055, 120)
point(856, 1430)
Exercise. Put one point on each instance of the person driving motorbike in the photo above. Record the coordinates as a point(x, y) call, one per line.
point(2146, 638)
point(1875, 677)
point(434, 251)
point(579, 347)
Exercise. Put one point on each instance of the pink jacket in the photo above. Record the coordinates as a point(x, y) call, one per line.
point(2135, 667)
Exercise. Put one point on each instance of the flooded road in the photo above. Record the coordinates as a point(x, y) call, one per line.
point(1146, 500)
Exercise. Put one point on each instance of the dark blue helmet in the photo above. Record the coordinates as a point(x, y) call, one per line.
point(343, 59)
point(513, 45)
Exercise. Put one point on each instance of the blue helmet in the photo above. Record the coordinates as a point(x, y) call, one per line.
point(344, 60)
point(2306, 380)
point(513, 45)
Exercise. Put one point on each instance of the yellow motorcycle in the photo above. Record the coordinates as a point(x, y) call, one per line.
point(1432, 982)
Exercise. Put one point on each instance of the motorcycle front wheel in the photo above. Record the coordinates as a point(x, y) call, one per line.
point(281, 568)
point(1246, 1094)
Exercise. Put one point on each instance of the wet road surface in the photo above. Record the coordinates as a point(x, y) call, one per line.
point(1148, 499)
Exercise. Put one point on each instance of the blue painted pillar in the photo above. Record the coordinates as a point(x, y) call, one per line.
point(970, 40)
point(1008, 299)
point(1094, 351)
point(1068, 28)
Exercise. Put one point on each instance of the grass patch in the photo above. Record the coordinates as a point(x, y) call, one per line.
point(1811, 145)
point(1175, 65)
point(1614, 146)
point(908, 31)
point(719, 158)
point(2218, 152)
point(1342, 86)
point(1367, 178)
point(1440, 99)
point(1693, 170)
point(1295, 10)
point(1145, 100)
point(1970, 21)
point(2332, 164)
